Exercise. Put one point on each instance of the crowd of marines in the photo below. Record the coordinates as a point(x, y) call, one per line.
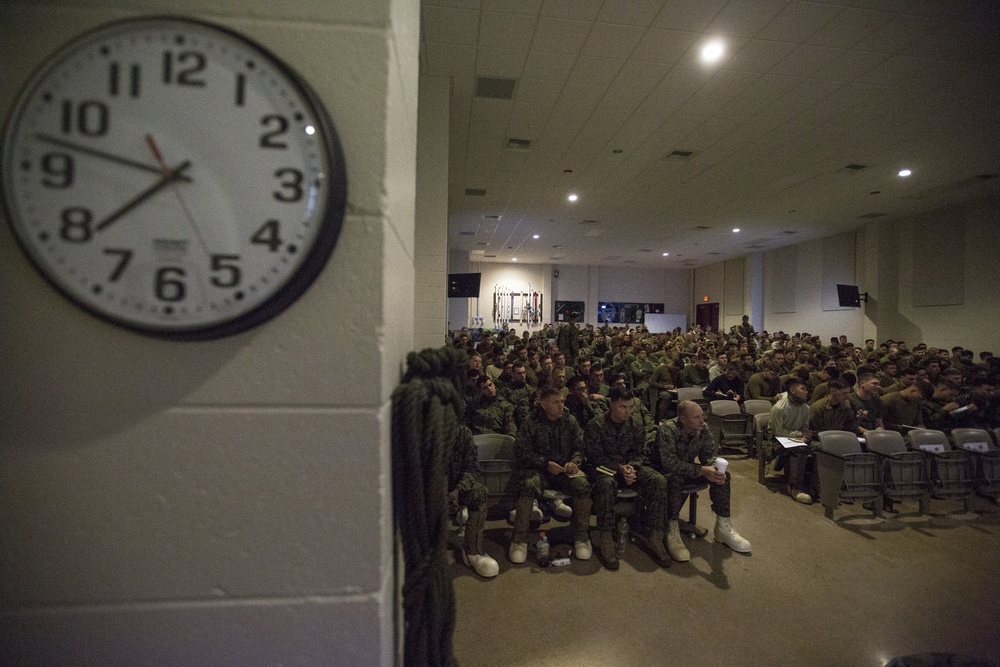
point(593, 410)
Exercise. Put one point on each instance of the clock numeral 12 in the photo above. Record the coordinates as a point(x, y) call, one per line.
point(190, 64)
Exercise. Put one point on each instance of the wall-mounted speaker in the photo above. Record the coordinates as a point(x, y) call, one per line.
point(555, 273)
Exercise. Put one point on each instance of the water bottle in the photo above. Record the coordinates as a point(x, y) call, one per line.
point(622, 540)
point(543, 550)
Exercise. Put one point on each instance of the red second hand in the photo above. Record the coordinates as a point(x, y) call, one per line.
point(165, 170)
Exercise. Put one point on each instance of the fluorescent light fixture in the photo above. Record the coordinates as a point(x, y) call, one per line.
point(534, 236)
point(666, 254)
point(736, 230)
point(713, 51)
point(572, 197)
point(905, 172)
point(514, 259)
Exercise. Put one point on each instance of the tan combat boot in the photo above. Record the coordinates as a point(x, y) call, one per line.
point(675, 545)
point(656, 543)
point(606, 548)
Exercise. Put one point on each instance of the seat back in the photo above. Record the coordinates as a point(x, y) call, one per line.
point(756, 406)
point(885, 443)
point(724, 407)
point(494, 446)
point(839, 443)
point(930, 441)
point(973, 440)
point(689, 394)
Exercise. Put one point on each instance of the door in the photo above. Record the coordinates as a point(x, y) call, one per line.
point(707, 315)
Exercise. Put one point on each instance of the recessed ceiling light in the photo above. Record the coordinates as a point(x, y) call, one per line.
point(572, 198)
point(514, 259)
point(534, 236)
point(713, 51)
point(736, 230)
point(905, 172)
point(666, 254)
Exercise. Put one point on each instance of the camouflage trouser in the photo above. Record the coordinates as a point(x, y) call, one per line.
point(473, 496)
point(652, 487)
point(719, 493)
point(532, 483)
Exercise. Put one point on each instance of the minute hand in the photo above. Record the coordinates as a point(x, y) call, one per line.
point(173, 175)
point(86, 150)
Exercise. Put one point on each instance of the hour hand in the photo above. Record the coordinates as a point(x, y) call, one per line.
point(169, 177)
point(111, 157)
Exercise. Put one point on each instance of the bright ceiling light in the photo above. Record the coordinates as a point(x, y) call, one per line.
point(712, 52)
point(905, 172)
point(666, 254)
point(534, 236)
point(736, 230)
point(515, 259)
point(572, 198)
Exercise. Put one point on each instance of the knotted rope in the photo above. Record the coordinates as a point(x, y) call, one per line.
point(426, 411)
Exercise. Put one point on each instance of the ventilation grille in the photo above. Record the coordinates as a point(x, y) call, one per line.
point(871, 216)
point(518, 144)
point(466, 233)
point(703, 227)
point(492, 217)
point(475, 192)
point(590, 222)
point(854, 167)
point(495, 88)
point(678, 156)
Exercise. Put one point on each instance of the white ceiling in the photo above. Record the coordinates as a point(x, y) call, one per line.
point(607, 88)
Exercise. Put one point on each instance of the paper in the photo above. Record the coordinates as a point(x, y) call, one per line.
point(788, 443)
point(933, 449)
point(960, 410)
point(976, 446)
point(578, 473)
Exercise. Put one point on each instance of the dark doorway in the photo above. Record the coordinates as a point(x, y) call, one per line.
point(707, 315)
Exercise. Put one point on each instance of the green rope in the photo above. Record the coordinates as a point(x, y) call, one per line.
point(426, 410)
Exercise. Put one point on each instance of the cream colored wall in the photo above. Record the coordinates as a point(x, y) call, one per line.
point(222, 502)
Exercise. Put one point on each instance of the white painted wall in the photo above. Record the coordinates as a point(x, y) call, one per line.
point(223, 502)
point(431, 242)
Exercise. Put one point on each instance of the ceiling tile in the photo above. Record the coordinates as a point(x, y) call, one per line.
point(560, 35)
point(450, 59)
point(742, 108)
point(630, 12)
point(598, 71)
point(849, 65)
point(759, 56)
point(771, 87)
point(895, 71)
point(689, 15)
point(582, 10)
point(798, 21)
point(745, 19)
point(451, 26)
point(729, 82)
point(501, 63)
point(641, 75)
point(805, 60)
point(811, 92)
point(508, 31)
point(608, 40)
point(848, 27)
point(900, 33)
point(548, 66)
point(513, 6)
point(663, 46)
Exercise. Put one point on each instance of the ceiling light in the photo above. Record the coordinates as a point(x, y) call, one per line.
point(572, 198)
point(666, 254)
point(514, 259)
point(736, 230)
point(905, 172)
point(534, 236)
point(712, 51)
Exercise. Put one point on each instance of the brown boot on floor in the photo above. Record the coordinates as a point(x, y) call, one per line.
point(656, 543)
point(606, 549)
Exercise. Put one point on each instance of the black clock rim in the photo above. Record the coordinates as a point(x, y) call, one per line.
point(330, 221)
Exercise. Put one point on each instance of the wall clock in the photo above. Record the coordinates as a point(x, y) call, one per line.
point(173, 177)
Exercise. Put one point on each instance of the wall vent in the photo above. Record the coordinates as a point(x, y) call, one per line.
point(489, 256)
point(495, 88)
point(518, 144)
point(474, 192)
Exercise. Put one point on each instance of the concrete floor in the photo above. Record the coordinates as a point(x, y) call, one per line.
point(856, 591)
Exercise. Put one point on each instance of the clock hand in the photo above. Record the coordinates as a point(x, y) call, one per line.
point(101, 154)
point(169, 177)
point(158, 156)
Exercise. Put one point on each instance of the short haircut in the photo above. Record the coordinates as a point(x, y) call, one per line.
point(867, 369)
point(621, 394)
point(908, 370)
point(577, 379)
point(849, 379)
point(617, 376)
point(771, 366)
point(546, 392)
point(838, 383)
point(794, 381)
point(865, 377)
point(926, 390)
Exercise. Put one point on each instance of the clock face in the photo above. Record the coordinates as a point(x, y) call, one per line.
point(174, 178)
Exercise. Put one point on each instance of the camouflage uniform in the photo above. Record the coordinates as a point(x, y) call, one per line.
point(582, 411)
point(539, 441)
point(493, 415)
point(463, 476)
point(675, 453)
point(613, 445)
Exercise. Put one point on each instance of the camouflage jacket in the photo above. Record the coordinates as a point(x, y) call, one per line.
point(677, 451)
point(540, 440)
point(464, 469)
point(492, 416)
point(612, 445)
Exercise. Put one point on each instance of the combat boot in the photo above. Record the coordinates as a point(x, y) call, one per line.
point(518, 552)
point(606, 548)
point(724, 533)
point(581, 527)
point(473, 553)
point(656, 543)
point(675, 545)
